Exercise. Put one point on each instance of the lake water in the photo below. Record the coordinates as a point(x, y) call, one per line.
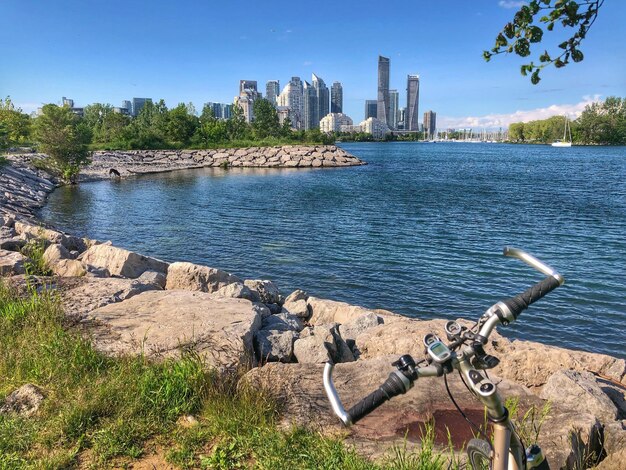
point(418, 231)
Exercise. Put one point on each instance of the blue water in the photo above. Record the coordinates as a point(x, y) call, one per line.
point(418, 231)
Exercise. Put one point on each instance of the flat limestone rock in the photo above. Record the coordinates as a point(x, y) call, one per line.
point(11, 263)
point(121, 262)
point(79, 296)
point(331, 311)
point(195, 277)
point(162, 323)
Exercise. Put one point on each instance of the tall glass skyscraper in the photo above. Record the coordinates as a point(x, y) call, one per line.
point(383, 110)
point(272, 90)
point(336, 98)
point(310, 108)
point(323, 96)
point(393, 109)
point(412, 103)
point(371, 108)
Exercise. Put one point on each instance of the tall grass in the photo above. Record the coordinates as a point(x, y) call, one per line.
point(101, 411)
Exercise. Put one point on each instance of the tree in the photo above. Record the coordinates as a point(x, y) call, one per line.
point(518, 35)
point(236, 126)
point(266, 123)
point(181, 124)
point(60, 135)
point(15, 123)
point(603, 123)
point(210, 130)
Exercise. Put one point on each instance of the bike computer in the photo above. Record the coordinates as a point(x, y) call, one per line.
point(439, 351)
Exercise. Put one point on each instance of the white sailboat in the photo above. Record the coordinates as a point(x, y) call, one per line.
point(565, 142)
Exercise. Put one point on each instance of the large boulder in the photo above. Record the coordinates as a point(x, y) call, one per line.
point(166, 323)
point(237, 290)
point(32, 232)
point(296, 303)
point(60, 261)
point(322, 343)
point(330, 311)
point(79, 296)
point(273, 346)
point(350, 330)
point(580, 391)
point(11, 263)
point(282, 322)
point(267, 290)
point(121, 262)
point(194, 277)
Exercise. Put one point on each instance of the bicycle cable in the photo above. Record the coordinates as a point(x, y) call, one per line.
point(456, 405)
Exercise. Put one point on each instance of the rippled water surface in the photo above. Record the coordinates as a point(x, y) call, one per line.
point(419, 231)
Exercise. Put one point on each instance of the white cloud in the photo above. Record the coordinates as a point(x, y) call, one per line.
point(491, 121)
point(307, 63)
point(511, 3)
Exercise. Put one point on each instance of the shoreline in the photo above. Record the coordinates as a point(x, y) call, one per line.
point(110, 285)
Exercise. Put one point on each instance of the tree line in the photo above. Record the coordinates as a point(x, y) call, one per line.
point(68, 138)
point(601, 123)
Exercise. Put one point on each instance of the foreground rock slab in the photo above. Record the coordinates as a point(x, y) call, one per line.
point(165, 323)
point(120, 262)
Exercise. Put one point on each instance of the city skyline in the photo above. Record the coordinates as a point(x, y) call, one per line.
point(187, 62)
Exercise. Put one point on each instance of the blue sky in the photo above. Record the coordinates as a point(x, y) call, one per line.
point(184, 50)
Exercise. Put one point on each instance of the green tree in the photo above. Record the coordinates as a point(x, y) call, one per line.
point(603, 123)
point(15, 123)
point(112, 128)
point(518, 36)
point(266, 123)
point(236, 126)
point(210, 129)
point(181, 123)
point(60, 135)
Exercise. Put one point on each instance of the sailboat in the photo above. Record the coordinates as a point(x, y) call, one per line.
point(564, 142)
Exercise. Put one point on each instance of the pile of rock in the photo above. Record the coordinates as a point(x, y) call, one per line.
point(151, 161)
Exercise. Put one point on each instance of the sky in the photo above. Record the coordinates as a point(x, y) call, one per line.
point(198, 50)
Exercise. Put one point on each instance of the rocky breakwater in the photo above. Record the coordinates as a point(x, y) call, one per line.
point(150, 161)
point(128, 303)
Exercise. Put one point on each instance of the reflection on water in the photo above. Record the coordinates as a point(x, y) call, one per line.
point(419, 230)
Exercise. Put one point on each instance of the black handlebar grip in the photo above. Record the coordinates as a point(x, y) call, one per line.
point(522, 301)
point(367, 405)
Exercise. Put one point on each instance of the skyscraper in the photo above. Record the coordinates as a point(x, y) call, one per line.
point(321, 91)
point(371, 108)
point(402, 118)
point(127, 106)
point(336, 98)
point(430, 124)
point(292, 97)
point(383, 111)
point(393, 109)
point(272, 90)
point(310, 106)
point(138, 104)
point(68, 102)
point(412, 103)
point(248, 94)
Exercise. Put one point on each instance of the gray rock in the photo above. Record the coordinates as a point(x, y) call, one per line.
point(7, 232)
point(340, 351)
point(11, 263)
point(194, 277)
point(24, 401)
point(274, 346)
point(94, 271)
point(166, 323)
point(153, 277)
point(262, 309)
point(579, 391)
point(275, 309)
point(350, 330)
point(296, 303)
point(320, 344)
point(238, 290)
point(121, 262)
point(12, 244)
point(283, 322)
point(55, 253)
point(267, 290)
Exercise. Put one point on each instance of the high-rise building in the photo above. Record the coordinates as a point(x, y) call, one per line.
point(430, 124)
point(376, 127)
point(248, 94)
point(393, 109)
point(220, 110)
point(412, 103)
point(332, 122)
point(127, 105)
point(323, 96)
point(292, 98)
point(67, 102)
point(371, 108)
point(401, 118)
point(138, 104)
point(310, 106)
point(383, 109)
point(272, 90)
point(336, 98)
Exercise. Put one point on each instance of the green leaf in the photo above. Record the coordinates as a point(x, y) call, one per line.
point(487, 55)
point(501, 41)
point(534, 78)
point(535, 33)
point(577, 55)
point(522, 47)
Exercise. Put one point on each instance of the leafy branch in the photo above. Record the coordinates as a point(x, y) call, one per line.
point(518, 35)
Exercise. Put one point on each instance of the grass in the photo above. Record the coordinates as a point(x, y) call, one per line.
point(101, 412)
point(34, 251)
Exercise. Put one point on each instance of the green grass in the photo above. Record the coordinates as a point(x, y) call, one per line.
point(106, 412)
point(34, 251)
